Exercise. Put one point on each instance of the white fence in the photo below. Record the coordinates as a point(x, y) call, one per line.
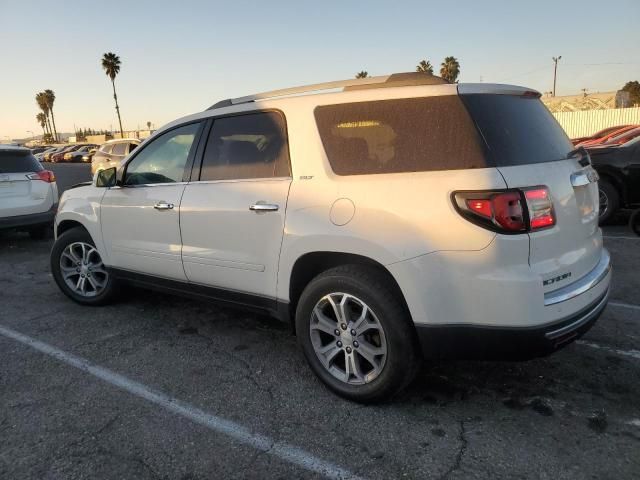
point(588, 122)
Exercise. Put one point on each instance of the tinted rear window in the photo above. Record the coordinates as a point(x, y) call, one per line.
point(18, 162)
point(518, 130)
point(404, 135)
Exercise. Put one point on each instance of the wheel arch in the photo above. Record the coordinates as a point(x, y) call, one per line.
point(311, 264)
point(616, 182)
point(66, 225)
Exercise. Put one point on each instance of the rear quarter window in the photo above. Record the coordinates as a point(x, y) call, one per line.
point(518, 130)
point(404, 135)
point(18, 162)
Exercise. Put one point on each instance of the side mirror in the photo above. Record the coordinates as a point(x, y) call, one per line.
point(106, 178)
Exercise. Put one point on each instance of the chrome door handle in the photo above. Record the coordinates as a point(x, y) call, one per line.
point(264, 207)
point(163, 206)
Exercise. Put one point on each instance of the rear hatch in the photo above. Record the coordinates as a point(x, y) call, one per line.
point(19, 195)
point(529, 148)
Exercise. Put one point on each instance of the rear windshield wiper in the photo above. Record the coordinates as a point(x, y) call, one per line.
point(585, 160)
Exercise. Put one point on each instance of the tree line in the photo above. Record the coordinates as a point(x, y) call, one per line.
point(449, 69)
point(45, 100)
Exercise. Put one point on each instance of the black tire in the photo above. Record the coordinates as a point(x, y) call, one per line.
point(613, 200)
point(369, 285)
point(41, 232)
point(634, 222)
point(79, 234)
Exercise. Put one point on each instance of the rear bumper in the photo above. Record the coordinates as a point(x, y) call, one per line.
point(476, 342)
point(33, 219)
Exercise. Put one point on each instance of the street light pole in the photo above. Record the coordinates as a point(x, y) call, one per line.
point(555, 72)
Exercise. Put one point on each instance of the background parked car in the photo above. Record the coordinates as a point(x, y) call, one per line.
point(606, 137)
point(59, 156)
point(619, 170)
point(28, 192)
point(47, 155)
point(36, 150)
point(597, 135)
point(110, 154)
point(623, 138)
point(77, 155)
point(40, 156)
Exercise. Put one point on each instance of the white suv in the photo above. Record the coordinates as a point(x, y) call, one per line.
point(398, 218)
point(28, 192)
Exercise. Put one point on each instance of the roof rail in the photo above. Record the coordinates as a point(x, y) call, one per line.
point(393, 80)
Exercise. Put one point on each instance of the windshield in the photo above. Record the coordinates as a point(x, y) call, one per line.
point(518, 130)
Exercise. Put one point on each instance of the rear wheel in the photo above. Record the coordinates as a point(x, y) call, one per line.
point(78, 269)
point(356, 335)
point(609, 200)
point(634, 222)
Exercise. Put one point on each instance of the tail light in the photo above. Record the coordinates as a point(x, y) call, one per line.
point(44, 175)
point(507, 211)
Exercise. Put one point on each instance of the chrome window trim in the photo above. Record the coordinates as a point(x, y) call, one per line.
point(237, 180)
point(587, 282)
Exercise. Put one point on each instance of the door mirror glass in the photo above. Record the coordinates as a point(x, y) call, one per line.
point(106, 178)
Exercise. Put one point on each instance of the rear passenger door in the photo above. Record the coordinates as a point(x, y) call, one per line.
point(232, 215)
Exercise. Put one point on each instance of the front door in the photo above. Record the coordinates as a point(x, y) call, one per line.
point(232, 218)
point(140, 218)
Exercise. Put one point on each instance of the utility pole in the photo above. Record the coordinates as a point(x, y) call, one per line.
point(555, 72)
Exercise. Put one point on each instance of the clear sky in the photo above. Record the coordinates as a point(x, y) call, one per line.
point(179, 57)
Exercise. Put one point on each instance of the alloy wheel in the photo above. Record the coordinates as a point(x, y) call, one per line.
point(604, 202)
point(348, 338)
point(82, 269)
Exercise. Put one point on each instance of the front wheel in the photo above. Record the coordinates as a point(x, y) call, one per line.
point(356, 335)
point(78, 269)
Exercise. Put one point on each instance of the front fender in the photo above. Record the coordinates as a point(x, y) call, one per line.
point(82, 205)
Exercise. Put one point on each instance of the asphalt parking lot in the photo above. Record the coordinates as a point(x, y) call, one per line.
point(162, 387)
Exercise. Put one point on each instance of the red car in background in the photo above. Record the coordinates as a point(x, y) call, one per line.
point(58, 156)
point(597, 135)
point(604, 138)
point(623, 137)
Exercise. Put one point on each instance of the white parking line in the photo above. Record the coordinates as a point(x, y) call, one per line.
point(624, 305)
point(623, 237)
point(283, 451)
point(624, 353)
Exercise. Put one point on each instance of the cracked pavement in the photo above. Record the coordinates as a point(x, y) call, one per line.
point(575, 414)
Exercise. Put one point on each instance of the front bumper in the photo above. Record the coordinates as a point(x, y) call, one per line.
point(19, 221)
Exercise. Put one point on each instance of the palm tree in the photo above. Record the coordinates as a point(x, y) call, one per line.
point(50, 98)
point(42, 120)
point(425, 67)
point(362, 74)
point(111, 66)
point(42, 103)
point(450, 69)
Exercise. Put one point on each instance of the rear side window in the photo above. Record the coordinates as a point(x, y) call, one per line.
point(404, 135)
point(119, 149)
point(518, 130)
point(246, 146)
point(106, 148)
point(18, 162)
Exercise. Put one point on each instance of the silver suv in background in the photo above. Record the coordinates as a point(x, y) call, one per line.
point(28, 192)
point(111, 153)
